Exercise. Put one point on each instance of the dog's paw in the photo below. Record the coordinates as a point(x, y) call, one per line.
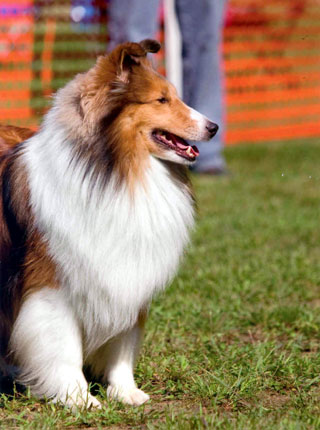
point(80, 401)
point(132, 396)
point(92, 403)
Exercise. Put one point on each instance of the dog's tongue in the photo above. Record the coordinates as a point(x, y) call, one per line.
point(181, 144)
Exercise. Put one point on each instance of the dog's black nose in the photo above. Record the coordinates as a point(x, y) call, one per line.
point(212, 128)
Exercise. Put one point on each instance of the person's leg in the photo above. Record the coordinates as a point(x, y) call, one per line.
point(132, 20)
point(201, 25)
point(118, 12)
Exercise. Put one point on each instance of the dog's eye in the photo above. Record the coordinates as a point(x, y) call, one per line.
point(162, 100)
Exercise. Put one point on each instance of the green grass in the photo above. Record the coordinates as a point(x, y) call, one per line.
point(234, 342)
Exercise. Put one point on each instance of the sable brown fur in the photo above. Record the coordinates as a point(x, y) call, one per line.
point(104, 100)
point(11, 136)
point(39, 269)
point(12, 254)
point(24, 263)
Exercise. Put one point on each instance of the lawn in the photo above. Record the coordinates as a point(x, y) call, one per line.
point(234, 342)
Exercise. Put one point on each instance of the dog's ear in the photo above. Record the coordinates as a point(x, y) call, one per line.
point(129, 57)
point(132, 54)
point(150, 45)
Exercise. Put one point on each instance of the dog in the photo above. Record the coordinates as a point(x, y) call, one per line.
point(95, 214)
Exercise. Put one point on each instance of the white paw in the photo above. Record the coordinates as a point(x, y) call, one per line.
point(132, 396)
point(80, 400)
point(93, 402)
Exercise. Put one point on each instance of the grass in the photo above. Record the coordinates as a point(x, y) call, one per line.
point(234, 342)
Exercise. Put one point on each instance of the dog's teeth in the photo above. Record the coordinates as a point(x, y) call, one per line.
point(189, 151)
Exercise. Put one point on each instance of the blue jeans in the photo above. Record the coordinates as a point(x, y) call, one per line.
point(201, 25)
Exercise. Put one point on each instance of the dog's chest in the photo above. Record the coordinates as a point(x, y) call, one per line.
point(133, 244)
point(116, 250)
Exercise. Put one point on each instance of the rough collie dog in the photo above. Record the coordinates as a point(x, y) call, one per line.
point(95, 213)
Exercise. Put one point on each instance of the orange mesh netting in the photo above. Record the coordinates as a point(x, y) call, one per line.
point(272, 65)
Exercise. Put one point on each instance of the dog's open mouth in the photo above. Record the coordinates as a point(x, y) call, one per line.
point(179, 145)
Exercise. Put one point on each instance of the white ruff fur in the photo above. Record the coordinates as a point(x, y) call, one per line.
point(113, 252)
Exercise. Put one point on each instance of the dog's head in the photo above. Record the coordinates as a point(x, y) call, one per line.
point(125, 101)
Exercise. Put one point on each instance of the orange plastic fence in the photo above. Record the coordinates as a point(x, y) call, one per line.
point(16, 41)
point(271, 61)
point(272, 64)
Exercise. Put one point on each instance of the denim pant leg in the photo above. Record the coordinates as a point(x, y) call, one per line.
point(201, 24)
point(132, 20)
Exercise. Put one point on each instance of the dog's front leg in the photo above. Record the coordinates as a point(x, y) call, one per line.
point(116, 359)
point(47, 346)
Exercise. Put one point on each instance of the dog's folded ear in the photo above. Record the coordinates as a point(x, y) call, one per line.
point(122, 60)
point(132, 54)
point(150, 45)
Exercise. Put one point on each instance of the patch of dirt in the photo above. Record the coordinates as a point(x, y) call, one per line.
point(252, 336)
point(159, 404)
point(273, 399)
point(315, 303)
